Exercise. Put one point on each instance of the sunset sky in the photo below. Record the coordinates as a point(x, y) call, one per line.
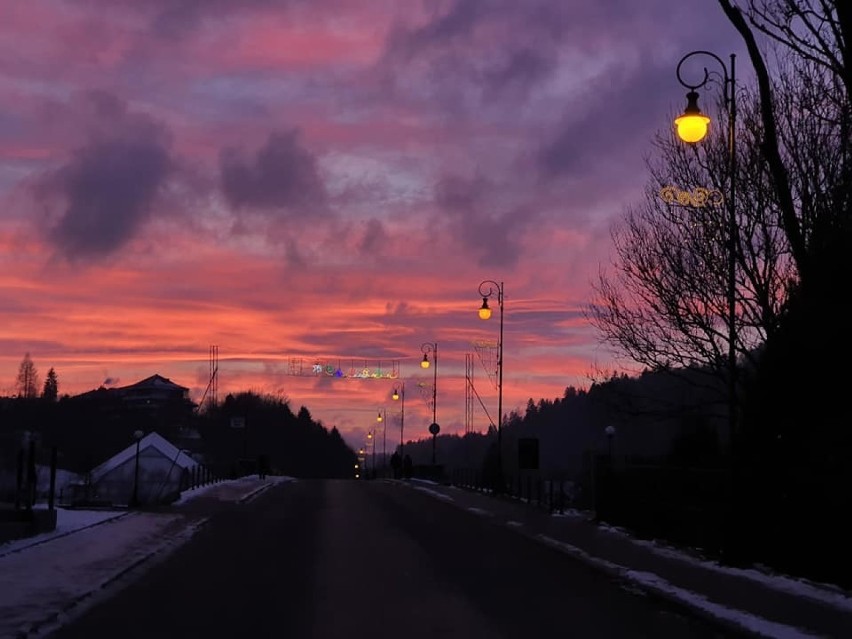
point(299, 179)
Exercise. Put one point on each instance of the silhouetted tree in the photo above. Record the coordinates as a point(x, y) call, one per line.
point(664, 301)
point(294, 444)
point(27, 381)
point(50, 392)
point(796, 444)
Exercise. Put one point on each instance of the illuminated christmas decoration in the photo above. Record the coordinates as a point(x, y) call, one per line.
point(357, 369)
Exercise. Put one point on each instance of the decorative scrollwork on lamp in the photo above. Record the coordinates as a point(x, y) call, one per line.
point(697, 197)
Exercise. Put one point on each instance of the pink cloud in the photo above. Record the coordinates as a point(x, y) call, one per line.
point(442, 144)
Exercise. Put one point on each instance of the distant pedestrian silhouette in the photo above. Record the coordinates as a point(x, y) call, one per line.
point(406, 467)
point(396, 464)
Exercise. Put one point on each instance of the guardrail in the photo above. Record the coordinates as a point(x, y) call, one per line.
point(555, 495)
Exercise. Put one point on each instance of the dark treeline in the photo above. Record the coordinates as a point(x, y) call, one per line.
point(667, 473)
point(656, 417)
point(295, 444)
point(88, 429)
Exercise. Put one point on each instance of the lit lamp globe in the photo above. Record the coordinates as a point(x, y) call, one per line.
point(693, 124)
point(484, 311)
point(425, 362)
point(395, 395)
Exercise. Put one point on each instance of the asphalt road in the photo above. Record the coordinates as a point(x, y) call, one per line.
point(349, 559)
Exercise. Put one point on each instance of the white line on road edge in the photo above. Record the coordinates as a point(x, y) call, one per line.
point(829, 594)
point(434, 493)
point(659, 586)
point(479, 511)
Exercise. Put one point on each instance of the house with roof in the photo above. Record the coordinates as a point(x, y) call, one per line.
point(151, 393)
point(155, 403)
point(150, 471)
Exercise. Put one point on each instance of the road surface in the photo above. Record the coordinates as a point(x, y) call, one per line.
point(350, 559)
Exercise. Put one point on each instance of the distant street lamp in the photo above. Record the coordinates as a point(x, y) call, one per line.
point(488, 289)
point(371, 441)
point(382, 419)
point(399, 394)
point(426, 348)
point(138, 435)
point(692, 127)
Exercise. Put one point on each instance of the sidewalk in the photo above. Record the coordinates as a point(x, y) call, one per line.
point(745, 600)
point(45, 579)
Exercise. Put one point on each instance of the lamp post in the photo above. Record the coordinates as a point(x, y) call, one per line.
point(371, 441)
point(138, 435)
point(488, 289)
point(691, 128)
point(426, 348)
point(434, 429)
point(399, 395)
point(382, 418)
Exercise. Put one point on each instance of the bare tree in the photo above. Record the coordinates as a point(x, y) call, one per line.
point(664, 301)
point(817, 35)
point(815, 31)
point(27, 382)
point(663, 304)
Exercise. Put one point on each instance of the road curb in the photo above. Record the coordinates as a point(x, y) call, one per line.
point(61, 535)
point(255, 493)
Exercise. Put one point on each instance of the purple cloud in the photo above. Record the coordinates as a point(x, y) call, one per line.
point(282, 177)
point(494, 238)
point(110, 183)
point(374, 238)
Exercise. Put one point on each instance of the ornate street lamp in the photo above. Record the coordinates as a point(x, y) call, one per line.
point(692, 127)
point(426, 348)
point(382, 419)
point(489, 289)
point(371, 442)
point(399, 395)
point(434, 429)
